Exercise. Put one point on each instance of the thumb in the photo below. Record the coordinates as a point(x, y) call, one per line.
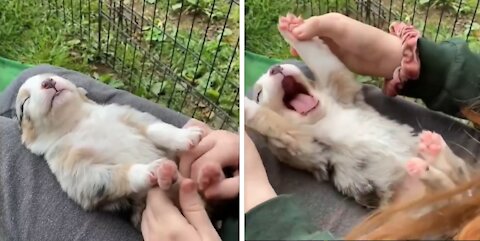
point(305, 31)
point(194, 211)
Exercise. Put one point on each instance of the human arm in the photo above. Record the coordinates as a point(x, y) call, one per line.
point(448, 78)
point(268, 216)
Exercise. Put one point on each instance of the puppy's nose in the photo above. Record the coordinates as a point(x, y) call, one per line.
point(276, 70)
point(48, 84)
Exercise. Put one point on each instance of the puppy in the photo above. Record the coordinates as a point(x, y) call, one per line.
point(103, 156)
point(316, 120)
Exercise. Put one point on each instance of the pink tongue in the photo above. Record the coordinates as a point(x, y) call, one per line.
point(303, 103)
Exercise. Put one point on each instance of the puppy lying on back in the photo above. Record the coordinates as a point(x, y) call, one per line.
point(104, 156)
point(315, 119)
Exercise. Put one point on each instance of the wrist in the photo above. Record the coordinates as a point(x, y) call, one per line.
point(408, 68)
point(257, 193)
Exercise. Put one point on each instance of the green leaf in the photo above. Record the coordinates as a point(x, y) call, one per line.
point(151, 1)
point(227, 32)
point(177, 6)
point(423, 2)
point(106, 78)
point(73, 42)
point(156, 88)
point(117, 84)
point(212, 94)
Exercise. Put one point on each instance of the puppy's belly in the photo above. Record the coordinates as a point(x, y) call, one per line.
point(410, 189)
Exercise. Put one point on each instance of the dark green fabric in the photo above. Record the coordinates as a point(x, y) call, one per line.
point(449, 76)
point(9, 70)
point(281, 218)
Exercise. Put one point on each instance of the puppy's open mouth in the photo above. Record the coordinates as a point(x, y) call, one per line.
point(296, 96)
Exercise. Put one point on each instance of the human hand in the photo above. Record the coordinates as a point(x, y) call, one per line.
point(205, 162)
point(364, 49)
point(162, 220)
point(257, 187)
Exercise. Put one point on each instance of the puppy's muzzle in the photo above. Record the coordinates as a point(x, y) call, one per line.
point(48, 84)
point(276, 70)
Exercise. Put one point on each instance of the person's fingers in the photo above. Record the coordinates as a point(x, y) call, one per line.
point(187, 158)
point(226, 189)
point(158, 202)
point(194, 211)
point(223, 158)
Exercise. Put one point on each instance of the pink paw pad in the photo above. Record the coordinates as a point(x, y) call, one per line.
point(167, 174)
point(209, 175)
point(417, 167)
point(431, 143)
point(289, 22)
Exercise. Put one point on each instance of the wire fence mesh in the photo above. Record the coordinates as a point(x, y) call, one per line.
point(183, 54)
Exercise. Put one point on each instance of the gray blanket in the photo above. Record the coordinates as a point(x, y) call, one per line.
point(334, 212)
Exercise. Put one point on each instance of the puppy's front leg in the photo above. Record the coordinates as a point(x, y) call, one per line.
point(174, 138)
point(273, 126)
point(316, 54)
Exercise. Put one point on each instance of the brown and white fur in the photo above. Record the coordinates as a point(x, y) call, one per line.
point(103, 156)
point(339, 137)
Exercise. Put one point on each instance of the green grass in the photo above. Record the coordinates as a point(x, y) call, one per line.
point(27, 35)
point(30, 33)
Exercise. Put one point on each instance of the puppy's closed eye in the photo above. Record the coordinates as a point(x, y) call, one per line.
point(258, 96)
point(22, 110)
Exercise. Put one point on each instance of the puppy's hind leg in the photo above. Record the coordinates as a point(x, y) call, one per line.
point(101, 184)
point(436, 152)
point(353, 184)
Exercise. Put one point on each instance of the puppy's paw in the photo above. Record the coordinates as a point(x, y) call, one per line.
point(210, 174)
point(286, 25)
point(144, 176)
point(166, 174)
point(417, 167)
point(431, 145)
point(185, 139)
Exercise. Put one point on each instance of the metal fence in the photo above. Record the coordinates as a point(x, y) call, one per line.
point(182, 54)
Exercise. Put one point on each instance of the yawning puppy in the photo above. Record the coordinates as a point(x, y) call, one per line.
point(104, 156)
point(315, 119)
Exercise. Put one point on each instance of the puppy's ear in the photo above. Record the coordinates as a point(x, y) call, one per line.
point(83, 94)
point(82, 91)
